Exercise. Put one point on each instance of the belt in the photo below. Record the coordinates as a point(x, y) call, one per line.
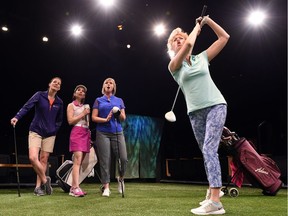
point(81, 125)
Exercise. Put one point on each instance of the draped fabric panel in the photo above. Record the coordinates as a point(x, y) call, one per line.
point(143, 137)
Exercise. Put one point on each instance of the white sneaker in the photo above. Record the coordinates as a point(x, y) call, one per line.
point(208, 194)
point(106, 192)
point(120, 186)
point(209, 208)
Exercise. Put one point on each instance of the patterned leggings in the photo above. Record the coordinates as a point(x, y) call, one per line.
point(207, 125)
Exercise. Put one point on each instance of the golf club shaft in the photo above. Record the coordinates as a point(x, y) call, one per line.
point(119, 158)
point(16, 160)
point(121, 181)
point(175, 98)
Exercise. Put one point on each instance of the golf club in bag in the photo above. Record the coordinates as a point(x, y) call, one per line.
point(16, 160)
point(170, 116)
point(116, 112)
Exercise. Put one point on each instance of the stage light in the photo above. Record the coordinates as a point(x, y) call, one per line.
point(45, 39)
point(4, 28)
point(107, 3)
point(159, 29)
point(256, 18)
point(128, 46)
point(76, 30)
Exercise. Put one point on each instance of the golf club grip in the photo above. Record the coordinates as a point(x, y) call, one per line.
point(204, 11)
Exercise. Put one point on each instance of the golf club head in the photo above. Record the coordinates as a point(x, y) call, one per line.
point(170, 116)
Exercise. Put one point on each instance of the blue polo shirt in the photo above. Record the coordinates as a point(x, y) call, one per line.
point(47, 120)
point(104, 106)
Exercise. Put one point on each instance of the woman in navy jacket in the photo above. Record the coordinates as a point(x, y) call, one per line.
point(47, 120)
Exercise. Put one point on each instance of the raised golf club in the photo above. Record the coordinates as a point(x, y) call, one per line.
point(170, 116)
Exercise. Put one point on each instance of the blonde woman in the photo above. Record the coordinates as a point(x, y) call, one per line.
point(206, 106)
point(108, 111)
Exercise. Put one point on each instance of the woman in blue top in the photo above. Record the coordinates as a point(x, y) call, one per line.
point(206, 107)
point(48, 117)
point(108, 111)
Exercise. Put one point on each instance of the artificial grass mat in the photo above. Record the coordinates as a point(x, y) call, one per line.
point(143, 199)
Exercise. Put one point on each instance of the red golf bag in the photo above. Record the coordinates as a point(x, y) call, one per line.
point(260, 170)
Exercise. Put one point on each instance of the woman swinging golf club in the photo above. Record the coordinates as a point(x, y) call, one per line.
point(206, 107)
point(109, 134)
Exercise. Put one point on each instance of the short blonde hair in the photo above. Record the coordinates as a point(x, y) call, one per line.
point(114, 84)
point(176, 31)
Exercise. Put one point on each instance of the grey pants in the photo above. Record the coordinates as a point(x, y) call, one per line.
point(106, 144)
point(207, 125)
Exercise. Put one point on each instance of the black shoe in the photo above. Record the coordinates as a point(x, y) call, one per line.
point(47, 186)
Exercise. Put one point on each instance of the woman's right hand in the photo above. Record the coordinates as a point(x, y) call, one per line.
point(14, 121)
point(202, 20)
point(108, 118)
point(198, 20)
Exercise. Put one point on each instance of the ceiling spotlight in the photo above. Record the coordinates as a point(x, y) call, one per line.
point(120, 27)
point(76, 30)
point(256, 18)
point(107, 3)
point(159, 29)
point(4, 28)
point(45, 39)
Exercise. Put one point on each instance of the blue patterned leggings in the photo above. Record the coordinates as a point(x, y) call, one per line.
point(207, 125)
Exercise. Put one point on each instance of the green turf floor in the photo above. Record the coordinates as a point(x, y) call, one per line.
point(143, 199)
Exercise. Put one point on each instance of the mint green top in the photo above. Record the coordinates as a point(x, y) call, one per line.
point(196, 83)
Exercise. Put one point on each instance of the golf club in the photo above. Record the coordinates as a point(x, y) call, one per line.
point(203, 10)
point(116, 113)
point(170, 116)
point(16, 160)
